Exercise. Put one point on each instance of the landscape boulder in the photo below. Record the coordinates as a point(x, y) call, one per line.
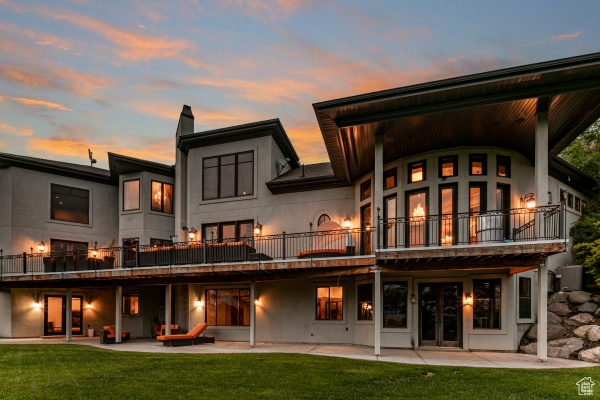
point(530, 348)
point(588, 307)
point(582, 331)
point(579, 319)
point(563, 348)
point(554, 319)
point(554, 332)
point(591, 355)
point(559, 297)
point(594, 333)
point(561, 309)
point(579, 297)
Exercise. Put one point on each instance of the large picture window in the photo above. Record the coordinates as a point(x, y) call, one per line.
point(330, 303)
point(131, 304)
point(365, 302)
point(228, 307)
point(162, 197)
point(486, 303)
point(395, 304)
point(70, 204)
point(131, 195)
point(226, 176)
point(228, 231)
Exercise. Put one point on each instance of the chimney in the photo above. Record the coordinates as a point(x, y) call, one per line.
point(186, 122)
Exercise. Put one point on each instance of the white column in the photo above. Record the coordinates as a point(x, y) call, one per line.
point(69, 317)
point(377, 310)
point(118, 308)
point(252, 313)
point(378, 184)
point(542, 312)
point(168, 290)
point(541, 158)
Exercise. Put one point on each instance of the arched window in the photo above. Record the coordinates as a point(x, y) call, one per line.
point(323, 218)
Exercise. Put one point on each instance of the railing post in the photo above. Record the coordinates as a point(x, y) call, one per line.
point(24, 262)
point(203, 250)
point(137, 255)
point(283, 245)
point(377, 230)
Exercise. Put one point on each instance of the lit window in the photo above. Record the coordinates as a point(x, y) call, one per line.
point(330, 303)
point(323, 218)
point(228, 307)
point(448, 166)
point(70, 204)
point(389, 179)
point(365, 190)
point(524, 297)
point(395, 304)
point(365, 302)
point(229, 175)
point(503, 166)
point(162, 197)
point(131, 304)
point(131, 195)
point(486, 303)
point(477, 164)
point(416, 171)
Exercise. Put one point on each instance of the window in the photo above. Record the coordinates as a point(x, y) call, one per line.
point(477, 206)
point(160, 242)
point(389, 179)
point(162, 197)
point(226, 176)
point(570, 200)
point(503, 166)
point(365, 190)
point(131, 304)
point(448, 166)
point(130, 250)
point(131, 195)
point(563, 195)
point(395, 304)
point(330, 303)
point(365, 302)
point(477, 164)
point(68, 246)
point(416, 171)
point(233, 231)
point(577, 203)
point(70, 204)
point(323, 218)
point(583, 206)
point(524, 297)
point(448, 214)
point(416, 210)
point(486, 303)
point(228, 307)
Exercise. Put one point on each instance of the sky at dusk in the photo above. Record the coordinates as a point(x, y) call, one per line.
point(114, 75)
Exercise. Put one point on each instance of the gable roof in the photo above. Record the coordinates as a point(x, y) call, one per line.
point(120, 164)
point(304, 178)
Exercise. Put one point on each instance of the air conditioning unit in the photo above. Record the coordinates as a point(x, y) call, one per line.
point(569, 278)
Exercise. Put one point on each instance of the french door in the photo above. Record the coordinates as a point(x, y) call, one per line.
point(55, 315)
point(440, 314)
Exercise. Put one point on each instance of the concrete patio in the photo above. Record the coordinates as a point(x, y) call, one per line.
point(459, 358)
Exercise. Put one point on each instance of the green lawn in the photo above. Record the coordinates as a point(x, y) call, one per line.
point(81, 372)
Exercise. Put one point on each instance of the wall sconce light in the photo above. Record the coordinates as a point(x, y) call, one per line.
point(95, 251)
point(528, 201)
point(198, 303)
point(257, 228)
point(88, 306)
point(37, 305)
point(347, 222)
point(193, 234)
point(413, 298)
point(257, 301)
point(468, 298)
point(41, 246)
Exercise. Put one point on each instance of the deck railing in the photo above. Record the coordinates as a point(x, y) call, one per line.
point(506, 226)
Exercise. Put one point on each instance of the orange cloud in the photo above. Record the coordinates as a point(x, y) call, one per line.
point(34, 103)
point(269, 9)
point(566, 36)
point(132, 46)
point(8, 129)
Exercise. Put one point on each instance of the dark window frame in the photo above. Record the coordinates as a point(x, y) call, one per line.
point(162, 199)
point(236, 175)
point(329, 311)
point(503, 160)
point(496, 323)
point(570, 200)
point(577, 203)
point(138, 194)
point(239, 309)
point(472, 157)
point(392, 172)
point(399, 307)
point(365, 190)
point(412, 165)
point(126, 304)
point(219, 230)
point(323, 218)
point(54, 196)
point(364, 302)
point(525, 302)
point(454, 159)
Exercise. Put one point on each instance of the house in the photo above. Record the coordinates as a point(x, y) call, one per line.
point(442, 212)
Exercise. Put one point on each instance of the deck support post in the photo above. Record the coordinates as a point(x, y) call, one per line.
point(118, 308)
point(542, 312)
point(541, 155)
point(69, 316)
point(378, 185)
point(168, 290)
point(377, 310)
point(252, 313)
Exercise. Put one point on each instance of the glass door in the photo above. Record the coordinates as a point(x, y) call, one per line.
point(448, 215)
point(365, 225)
point(389, 230)
point(477, 206)
point(416, 213)
point(55, 312)
point(503, 205)
point(440, 314)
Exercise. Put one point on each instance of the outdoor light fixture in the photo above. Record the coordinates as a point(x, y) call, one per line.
point(88, 306)
point(257, 228)
point(37, 305)
point(468, 298)
point(413, 298)
point(95, 251)
point(257, 301)
point(198, 303)
point(192, 234)
point(41, 246)
point(347, 222)
point(528, 201)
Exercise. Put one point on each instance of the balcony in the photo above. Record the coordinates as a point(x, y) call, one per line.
point(415, 243)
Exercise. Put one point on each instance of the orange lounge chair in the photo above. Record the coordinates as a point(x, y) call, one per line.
point(186, 339)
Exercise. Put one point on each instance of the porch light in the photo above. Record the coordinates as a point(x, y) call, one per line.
point(347, 222)
point(528, 201)
point(95, 251)
point(198, 303)
point(468, 298)
point(37, 305)
point(257, 228)
point(257, 301)
point(41, 246)
point(413, 298)
point(88, 306)
point(192, 234)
